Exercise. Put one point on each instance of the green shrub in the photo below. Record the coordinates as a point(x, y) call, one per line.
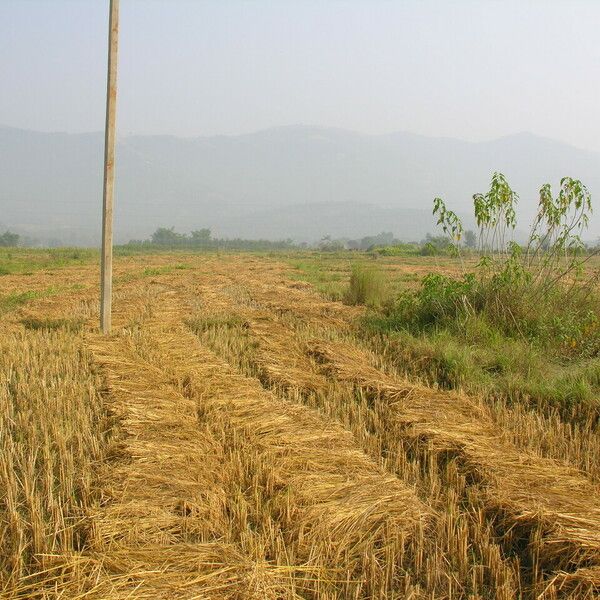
point(536, 292)
point(428, 249)
point(367, 286)
point(564, 321)
point(398, 250)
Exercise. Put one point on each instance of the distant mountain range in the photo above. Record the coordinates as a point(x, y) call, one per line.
point(289, 182)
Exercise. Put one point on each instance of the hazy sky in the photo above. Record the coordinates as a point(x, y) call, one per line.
point(466, 69)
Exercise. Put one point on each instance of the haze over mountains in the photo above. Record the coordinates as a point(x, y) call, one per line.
point(294, 182)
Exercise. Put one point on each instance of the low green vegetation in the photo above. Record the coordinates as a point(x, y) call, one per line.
point(399, 249)
point(28, 260)
point(330, 272)
point(12, 301)
point(521, 324)
point(201, 239)
point(482, 361)
point(327, 273)
point(367, 286)
point(65, 324)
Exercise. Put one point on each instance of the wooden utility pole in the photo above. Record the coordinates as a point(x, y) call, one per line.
point(109, 171)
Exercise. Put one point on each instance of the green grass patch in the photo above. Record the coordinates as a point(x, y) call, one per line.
point(327, 276)
point(367, 286)
point(34, 324)
point(13, 301)
point(26, 261)
point(399, 250)
point(152, 271)
point(164, 270)
point(495, 366)
point(498, 340)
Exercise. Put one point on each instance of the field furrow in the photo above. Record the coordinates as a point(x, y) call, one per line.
point(266, 346)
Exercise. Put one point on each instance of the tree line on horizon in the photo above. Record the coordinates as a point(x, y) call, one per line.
point(167, 237)
point(384, 242)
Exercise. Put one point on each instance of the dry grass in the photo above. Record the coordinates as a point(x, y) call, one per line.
point(53, 433)
point(521, 487)
point(517, 495)
point(315, 500)
point(269, 454)
point(165, 509)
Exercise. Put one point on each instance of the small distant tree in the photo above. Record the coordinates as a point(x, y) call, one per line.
point(440, 242)
point(470, 239)
point(200, 237)
point(9, 239)
point(450, 224)
point(434, 245)
point(385, 238)
point(167, 237)
point(328, 245)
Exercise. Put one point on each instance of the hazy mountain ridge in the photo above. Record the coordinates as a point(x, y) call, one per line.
point(299, 182)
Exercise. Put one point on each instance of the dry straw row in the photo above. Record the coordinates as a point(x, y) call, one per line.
point(526, 492)
point(341, 515)
point(212, 465)
point(269, 347)
point(548, 505)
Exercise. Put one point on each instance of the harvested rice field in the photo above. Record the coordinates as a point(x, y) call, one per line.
point(236, 437)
